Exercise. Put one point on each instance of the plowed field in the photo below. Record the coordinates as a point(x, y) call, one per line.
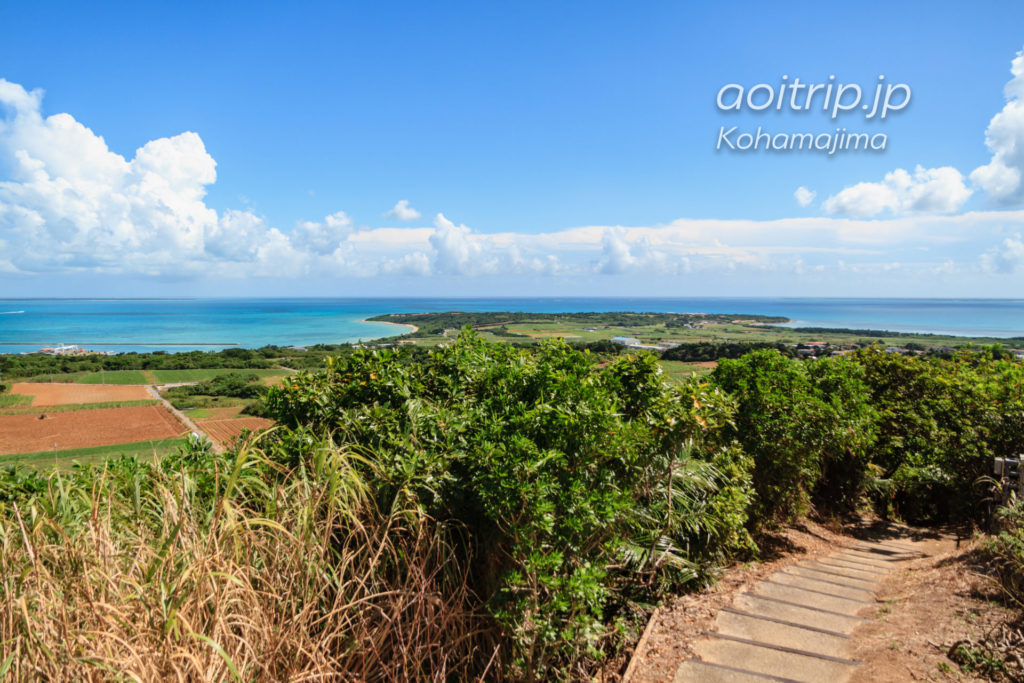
point(225, 431)
point(66, 394)
point(27, 433)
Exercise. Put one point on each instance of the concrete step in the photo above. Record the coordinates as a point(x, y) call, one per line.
point(881, 559)
point(910, 547)
point(819, 572)
point(854, 565)
point(796, 612)
point(696, 671)
point(855, 571)
point(812, 598)
point(834, 587)
point(757, 658)
point(876, 553)
point(773, 631)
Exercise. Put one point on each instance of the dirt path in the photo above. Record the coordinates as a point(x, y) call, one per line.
point(745, 604)
point(192, 426)
point(798, 624)
point(930, 606)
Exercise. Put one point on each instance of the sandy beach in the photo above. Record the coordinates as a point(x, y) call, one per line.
point(414, 328)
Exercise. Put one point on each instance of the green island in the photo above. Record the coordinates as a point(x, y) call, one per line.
point(492, 496)
point(663, 329)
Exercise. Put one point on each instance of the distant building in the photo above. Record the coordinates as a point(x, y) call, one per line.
point(634, 343)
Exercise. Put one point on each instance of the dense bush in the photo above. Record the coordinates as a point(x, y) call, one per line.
point(208, 394)
point(478, 510)
point(582, 488)
point(707, 351)
point(807, 427)
point(916, 432)
point(940, 423)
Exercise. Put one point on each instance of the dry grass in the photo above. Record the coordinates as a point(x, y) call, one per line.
point(241, 571)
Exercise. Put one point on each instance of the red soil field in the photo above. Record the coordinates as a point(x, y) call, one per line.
point(27, 433)
point(226, 431)
point(66, 394)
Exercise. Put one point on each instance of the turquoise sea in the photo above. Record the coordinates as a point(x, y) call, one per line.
point(210, 324)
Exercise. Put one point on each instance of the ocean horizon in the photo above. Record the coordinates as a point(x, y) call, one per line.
point(183, 324)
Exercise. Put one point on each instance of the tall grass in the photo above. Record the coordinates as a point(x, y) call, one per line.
point(228, 568)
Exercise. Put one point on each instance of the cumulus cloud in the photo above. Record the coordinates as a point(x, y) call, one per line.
point(457, 250)
point(72, 202)
point(323, 237)
point(69, 204)
point(804, 196)
point(1001, 178)
point(927, 190)
point(943, 190)
point(1006, 258)
point(403, 212)
point(624, 251)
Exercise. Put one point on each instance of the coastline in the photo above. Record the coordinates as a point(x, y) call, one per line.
point(385, 322)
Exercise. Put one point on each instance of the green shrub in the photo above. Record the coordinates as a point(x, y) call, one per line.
point(1006, 550)
point(940, 423)
point(582, 489)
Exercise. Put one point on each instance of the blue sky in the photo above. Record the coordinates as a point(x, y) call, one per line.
point(541, 148)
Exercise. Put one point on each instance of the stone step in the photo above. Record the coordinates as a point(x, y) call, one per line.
point(696, 671)
point(773, 631)
point(819, 572)
point(773, 661)
point(811, 597)
point(839, 589)
point(796, 612)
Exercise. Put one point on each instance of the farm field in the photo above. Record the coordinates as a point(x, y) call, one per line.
point(66, 394)
point(64, 459)
point(203, 375)
point(120, 377)
point(115, 377)
point(679, 371)
point(224, 431)
point(37, 410)
point(90, 377)
point(32, 432)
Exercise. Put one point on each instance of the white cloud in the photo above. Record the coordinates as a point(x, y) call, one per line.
point(403, 212)
point(69, 204)
point(325, 237)
point(928, 190)
point(632, 250)
point(1008, 257)
point(1001, 178)
point(74, 203)
point(456, 250)
point(804, 196)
